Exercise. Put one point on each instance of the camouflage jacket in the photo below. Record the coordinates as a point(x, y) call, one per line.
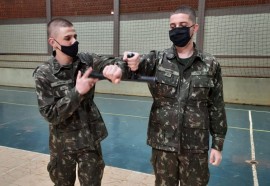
point(187, 101)
point(75, 122)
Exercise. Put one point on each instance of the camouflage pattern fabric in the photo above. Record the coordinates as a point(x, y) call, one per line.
point(75, 123)
point(187, 107)
point(62, 170)
point(188, 102)
point(191, 169)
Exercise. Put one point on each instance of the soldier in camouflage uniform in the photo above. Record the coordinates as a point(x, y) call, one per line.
point(65, 98)
point(187, 106)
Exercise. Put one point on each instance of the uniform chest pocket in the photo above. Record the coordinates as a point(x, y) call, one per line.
point(200, 86)
point(167, 82)
point(61, 88)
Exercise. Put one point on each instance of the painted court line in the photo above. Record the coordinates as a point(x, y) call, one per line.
point(122, 99)
point(10, 90)
point(228, 108)
point(18, 104)
point(253, 158)
point(134, 116)
point(241, 128)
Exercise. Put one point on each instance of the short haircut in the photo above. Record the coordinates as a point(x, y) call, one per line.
point(186, 10)
point(56, 23)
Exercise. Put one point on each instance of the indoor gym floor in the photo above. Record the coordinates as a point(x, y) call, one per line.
point(24, 142)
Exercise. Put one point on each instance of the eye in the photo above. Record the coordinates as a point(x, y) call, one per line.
point(67, 38)
point(184, 25)
point(172, 26)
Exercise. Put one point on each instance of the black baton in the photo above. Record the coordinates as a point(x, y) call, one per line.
point(134, 76)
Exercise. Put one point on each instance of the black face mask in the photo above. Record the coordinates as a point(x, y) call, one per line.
point(71, 50)
point(180, 36)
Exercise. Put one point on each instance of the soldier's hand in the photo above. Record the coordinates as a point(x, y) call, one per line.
point(215, 157)
point(113, 72)
point(84, 83)
point(133, 62)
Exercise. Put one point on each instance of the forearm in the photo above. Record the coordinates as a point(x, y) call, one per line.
point(100, 62)
point(58, 111)
point(148, 64)
point(218, 121)
point(218, 126)
point(54, 107)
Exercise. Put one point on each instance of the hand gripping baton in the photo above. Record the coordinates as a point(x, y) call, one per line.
point(133, 77)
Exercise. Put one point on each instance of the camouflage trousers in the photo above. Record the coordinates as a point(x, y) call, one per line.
point(188, 169)
point(62, 170)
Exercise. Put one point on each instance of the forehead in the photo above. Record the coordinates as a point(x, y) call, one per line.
point(65, 31)
point(177, 18)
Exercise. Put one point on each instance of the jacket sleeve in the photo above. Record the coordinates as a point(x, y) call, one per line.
point(147, 64)
point(218, 122)
point(100, 62)
point(52, 109)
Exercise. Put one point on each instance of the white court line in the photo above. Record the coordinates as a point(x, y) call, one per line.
point(10, 90)
point(131, 100)
point(19, 104)
point(122, 99)
point(227, 108)
point(254, 171)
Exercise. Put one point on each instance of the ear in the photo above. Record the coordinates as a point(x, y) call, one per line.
point(51, 42)
point(196, 28)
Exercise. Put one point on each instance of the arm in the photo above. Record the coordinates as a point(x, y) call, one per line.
point(112, 68)
point(58, 110)
point(143, 65)
point(215, 157)
point(217, 115)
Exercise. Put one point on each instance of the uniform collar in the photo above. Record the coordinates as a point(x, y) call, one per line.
point(57, 67)
point(172, 53)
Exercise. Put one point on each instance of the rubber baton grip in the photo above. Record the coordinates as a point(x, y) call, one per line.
point(146, 79)
point(130, 55)
point(135, 77)
point(97, 75)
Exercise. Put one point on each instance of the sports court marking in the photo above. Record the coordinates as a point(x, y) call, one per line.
point(122, 99)
point(132, 100)
point(253, 158)
point(250, 129)
point(118, 99)
point(125, 115)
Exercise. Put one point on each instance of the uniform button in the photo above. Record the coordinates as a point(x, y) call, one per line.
point(170, 56)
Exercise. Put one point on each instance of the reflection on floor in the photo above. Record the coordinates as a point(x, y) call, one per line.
point(126, 118)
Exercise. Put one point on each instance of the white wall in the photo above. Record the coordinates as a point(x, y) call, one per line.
point(23, 38)
point(16, 77)
point(254, 91)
